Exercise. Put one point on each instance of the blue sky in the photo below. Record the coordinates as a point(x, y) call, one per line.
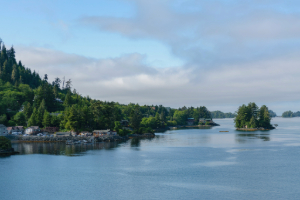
point(219, 53)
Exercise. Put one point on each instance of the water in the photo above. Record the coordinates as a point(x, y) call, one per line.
point(177, 164)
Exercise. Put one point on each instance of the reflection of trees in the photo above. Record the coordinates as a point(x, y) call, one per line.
point(61, 148)
point(135, 142)
point(251, 137)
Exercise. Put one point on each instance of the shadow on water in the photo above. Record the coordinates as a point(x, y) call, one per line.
point(61, 148)
point(251, 137)
point(136, 142)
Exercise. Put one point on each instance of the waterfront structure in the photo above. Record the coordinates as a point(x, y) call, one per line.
point(85, 133)
point(33, 130)
point(50, 129)
point(62, 134)
point(15, 130)
point(190, 121)
point(3, 130)
point(203, 120)
point(97, 133)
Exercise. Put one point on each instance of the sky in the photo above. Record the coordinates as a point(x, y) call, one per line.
point(214, 53)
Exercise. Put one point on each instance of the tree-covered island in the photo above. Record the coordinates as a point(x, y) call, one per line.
point(251, 117)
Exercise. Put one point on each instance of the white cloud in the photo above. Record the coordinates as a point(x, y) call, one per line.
point(127, 79)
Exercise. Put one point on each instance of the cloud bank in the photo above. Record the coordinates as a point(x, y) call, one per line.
point(235, 52)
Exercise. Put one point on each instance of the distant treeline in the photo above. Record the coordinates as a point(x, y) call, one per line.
point(220, 114)
point(291, 114)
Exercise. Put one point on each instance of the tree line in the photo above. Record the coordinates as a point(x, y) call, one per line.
point(289, 113)
point(26, 99)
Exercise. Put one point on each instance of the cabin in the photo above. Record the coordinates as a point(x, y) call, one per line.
point(190, 121)
point(203, 120)
point(85, 133)
point(108, 132)
point(33, 130)
point(15, 130)
point(3, 130)
point(50, 129)
point(59, 100)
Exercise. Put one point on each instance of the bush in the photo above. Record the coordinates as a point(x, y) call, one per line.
point(207, 123)
point(4, 143)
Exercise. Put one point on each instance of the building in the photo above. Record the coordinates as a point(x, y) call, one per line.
point(62, 134)
point(190, 121)
point(203, 120)
point(50, 129)
point(33, 130)
point(97, 133)
point(15, 130)
point(85, 133)
point(3, 130)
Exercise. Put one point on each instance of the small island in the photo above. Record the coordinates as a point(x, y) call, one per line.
point(253, 118)
point(5, 147)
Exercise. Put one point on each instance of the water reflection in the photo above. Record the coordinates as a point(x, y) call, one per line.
point(61, 148)
point(251, 137)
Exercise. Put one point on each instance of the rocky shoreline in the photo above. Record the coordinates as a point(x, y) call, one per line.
point(255, 129)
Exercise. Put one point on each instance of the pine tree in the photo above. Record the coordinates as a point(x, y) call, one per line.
point(46, 119)
point(27, 111)
point(33, 118)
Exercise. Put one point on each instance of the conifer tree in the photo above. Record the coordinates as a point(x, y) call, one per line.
point(27, 111)
point(46, 119)
point(33, 118)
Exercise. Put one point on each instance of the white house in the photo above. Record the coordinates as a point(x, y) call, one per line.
point(3, 130)
point(33, 130)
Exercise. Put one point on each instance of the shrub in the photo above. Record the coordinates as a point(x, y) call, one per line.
point(4, 143)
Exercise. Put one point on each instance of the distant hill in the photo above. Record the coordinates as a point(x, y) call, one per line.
point(289, 113)
point(220, 114)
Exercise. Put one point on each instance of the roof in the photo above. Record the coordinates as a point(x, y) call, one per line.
point(34, 127)
point(1, 125)
point(191, 118)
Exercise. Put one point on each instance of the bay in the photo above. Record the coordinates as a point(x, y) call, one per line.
point(177, 164)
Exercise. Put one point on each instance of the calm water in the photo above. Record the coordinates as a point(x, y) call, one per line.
point(178, 164)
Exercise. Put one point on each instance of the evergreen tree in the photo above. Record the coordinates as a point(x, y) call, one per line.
point(33, 118)
point(27, 110)
point(46, 119)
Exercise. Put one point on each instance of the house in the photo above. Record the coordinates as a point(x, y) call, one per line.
point(124, 122)
point(85, 133)
point(62, 134)
point(208, 120)
point(15, 130)
point(50, 129)
point(190, 121)
point(3, 130)
point(33, 130)
point(97, 133)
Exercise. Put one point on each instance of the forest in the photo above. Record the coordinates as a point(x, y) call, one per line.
point(289, 113)
point(251, 116)
point(27, 99)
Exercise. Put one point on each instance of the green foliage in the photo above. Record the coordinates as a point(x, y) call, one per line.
point(20, 119)
point(4, 143)
point(219, 114)
point(252, 117)
point(289, 113)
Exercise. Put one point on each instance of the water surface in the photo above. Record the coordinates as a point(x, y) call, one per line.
point(177, 164)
